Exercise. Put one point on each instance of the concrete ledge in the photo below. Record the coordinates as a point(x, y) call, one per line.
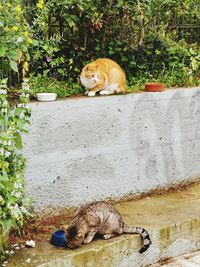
point(173, 221)
point(120, 251)
point(87, 149)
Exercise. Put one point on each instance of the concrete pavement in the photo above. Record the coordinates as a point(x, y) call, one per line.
point(186, 260)
point(173, 221)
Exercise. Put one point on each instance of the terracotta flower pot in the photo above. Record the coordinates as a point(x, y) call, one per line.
point(154, 87)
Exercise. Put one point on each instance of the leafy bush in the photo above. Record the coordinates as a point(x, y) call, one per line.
point(161, 59)
point(139, 35)
point(43, 83)
point(14, 40)
point(13, 206)
point(147, 38)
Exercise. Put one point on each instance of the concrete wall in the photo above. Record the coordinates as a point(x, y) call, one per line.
point(86, 149)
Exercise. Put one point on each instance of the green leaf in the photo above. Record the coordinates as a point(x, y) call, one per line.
point(6, 224)
point(18, 140)
point(35, 42)
point(13, 55)
point(13, 65)
point(2, 51)
point(4, 81)
point(2, 187)
point(45, 47)
point(20, 123)
point(28, 57)
point(25, 131)
point(24, 48)
point(18, 110)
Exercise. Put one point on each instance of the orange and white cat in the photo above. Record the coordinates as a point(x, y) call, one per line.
point(104, 76)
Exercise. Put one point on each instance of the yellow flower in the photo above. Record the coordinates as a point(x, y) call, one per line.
point(25, 33)
point(4, 165)
point(158, 52)
point(29, 40)
point(25, 65)
point(14, 28)
point(40, 4)
point(18, 9)
point(1, 7)
point(17, 18)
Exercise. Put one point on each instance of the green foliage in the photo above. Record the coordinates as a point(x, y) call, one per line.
point(162, 59)
point(14, 44)
point(13, 206)
point(42, 83)
point(14, 39)
point(151, 40)
point(140, 35)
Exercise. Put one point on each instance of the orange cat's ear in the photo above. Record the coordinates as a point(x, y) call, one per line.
point(98, 67)
point(86, 68)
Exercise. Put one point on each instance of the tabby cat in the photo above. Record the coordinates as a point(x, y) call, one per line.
point(104, 76)
point(100, 217)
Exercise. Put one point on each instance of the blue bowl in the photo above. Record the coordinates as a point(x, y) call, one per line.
point(58, 239)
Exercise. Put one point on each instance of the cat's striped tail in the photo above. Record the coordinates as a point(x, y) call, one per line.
point(143, 233)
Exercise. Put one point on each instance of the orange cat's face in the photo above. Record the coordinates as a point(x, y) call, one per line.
point(90, 76)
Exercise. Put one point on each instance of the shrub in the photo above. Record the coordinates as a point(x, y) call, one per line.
point(14, 43)
point(139, 35)
point(14, 40)
point(147, 38)
point(42, 83)
point(13, 206)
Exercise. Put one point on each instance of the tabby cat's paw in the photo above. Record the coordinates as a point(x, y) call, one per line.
point(107, 236)
point(86, 241)
point(91, 93)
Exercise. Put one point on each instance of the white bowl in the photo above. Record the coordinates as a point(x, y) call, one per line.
point(46, 96)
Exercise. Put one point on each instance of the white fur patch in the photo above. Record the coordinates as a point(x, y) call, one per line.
point(91, 93)
point(87, 83)
point(113, 87)
point(96, 79)
point(106, 92)
point(110, 89)
point(146, 242)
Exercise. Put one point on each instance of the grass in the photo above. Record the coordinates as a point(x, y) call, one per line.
point(41, 84)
